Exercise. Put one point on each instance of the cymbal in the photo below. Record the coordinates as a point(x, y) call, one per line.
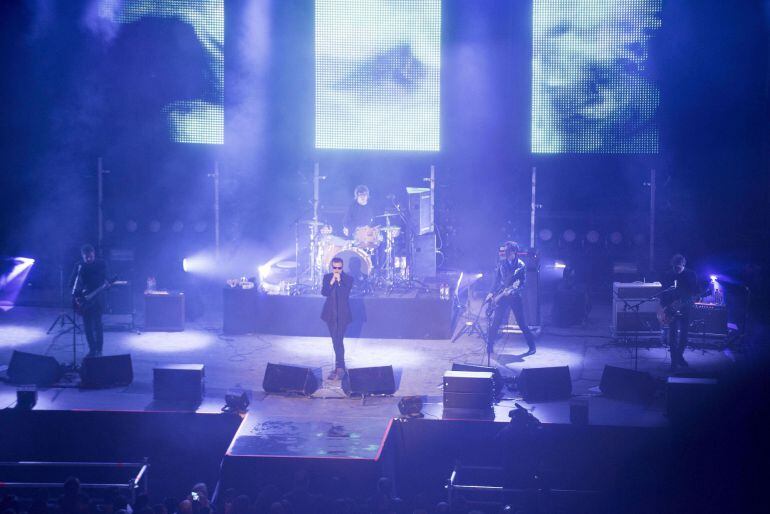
point(387, 215)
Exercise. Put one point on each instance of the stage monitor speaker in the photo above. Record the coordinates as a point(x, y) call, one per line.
point(106, 371)
point(284, 378)
point(497, 378)
point(374, 380)
point(424, 256)
point(627, 384)
point(178, 383)
point(545, 384)
point(32, 369)
point(119, 298)
point(708, 319)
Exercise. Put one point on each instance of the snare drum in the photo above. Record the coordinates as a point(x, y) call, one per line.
point(367, 237)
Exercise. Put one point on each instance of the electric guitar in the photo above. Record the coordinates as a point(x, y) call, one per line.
point(667, 313)
point(81, 302)
point(500, 295)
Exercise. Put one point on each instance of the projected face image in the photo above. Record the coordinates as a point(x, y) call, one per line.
point(590, 89)
point(378, 74)
point(190, 120)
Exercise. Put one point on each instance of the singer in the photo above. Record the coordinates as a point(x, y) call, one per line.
point(336, 312)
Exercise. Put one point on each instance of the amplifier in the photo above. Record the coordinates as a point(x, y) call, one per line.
point(708, 319)
point(164, 312)
point(635, 290)
point(630, 313)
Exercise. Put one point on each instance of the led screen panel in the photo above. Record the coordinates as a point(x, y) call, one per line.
point(592, 91)
point(196, 115)
point(377, 68)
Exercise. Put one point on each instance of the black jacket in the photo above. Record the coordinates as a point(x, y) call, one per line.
point(507, 273)
point(687, 288)
point(337, 305)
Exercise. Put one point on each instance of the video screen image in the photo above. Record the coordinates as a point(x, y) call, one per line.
point(377, 68)
point(592, 90)
point(194, 109)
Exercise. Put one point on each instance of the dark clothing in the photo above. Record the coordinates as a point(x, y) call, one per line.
point(358, 215)
point(686, 292)
point(336, 312)
point(89, 277)
point(507, 273)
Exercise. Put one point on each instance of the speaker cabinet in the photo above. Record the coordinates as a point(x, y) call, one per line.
point(164, 312)
point(374, 380)
point(106, 371)
point(239, 310)
point(627, 384)
point(32, 369)
point(178, 383)
point(545, 384)
point(424, 256)
point(283, 378)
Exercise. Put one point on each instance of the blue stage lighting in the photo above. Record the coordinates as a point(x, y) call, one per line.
point(591, 88)
point(378, 66)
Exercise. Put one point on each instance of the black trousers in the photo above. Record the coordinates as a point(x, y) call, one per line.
point(678, 333)
point(504, 307)
point(92, 326)
point(337, 331)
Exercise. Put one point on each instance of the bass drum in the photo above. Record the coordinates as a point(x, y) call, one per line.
point(356, 262)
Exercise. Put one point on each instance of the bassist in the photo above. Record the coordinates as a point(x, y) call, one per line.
point(676, 305)
point(88, 276)
point(505, 295)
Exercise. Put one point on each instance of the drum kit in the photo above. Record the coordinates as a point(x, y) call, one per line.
point(369, 256)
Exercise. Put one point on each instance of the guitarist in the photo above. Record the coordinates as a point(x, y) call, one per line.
point(676, 306)
point(505, 295)
point(89, 275)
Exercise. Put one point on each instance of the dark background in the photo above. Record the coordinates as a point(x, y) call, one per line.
point(71, 96)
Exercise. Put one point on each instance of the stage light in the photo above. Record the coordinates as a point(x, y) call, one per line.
point(592, 236)
point(713, 278)
point(569, 235)
point(200, 226)
point(545, 234)
point(479, 275)
point(131, 226)
point(411, 406)
point(559, 265)
point(154, 226)
point(616, 238)
point(177, 226)
point(236, 401)
point(264, 270)
point(12, 281)
point(184, 265)
point(109, 225)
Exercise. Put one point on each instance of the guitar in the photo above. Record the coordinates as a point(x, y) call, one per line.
point(500, 295)
point(81, 302)
point(667, 313)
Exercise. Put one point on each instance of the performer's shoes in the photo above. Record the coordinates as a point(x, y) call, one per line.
point(532, 350)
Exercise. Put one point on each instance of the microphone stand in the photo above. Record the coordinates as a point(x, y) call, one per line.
point(75, 287)
point(634, 308)
point(409, 282)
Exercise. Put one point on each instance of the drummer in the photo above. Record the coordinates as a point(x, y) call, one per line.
point(359, 213)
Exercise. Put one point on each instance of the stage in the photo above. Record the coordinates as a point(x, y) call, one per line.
point(328, 433)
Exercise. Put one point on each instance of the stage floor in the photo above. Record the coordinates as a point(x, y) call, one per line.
point(240, 361)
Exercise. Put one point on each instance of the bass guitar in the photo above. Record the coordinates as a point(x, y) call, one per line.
point(81, 302)
point(502, 294)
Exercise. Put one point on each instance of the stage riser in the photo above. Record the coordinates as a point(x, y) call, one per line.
point(183, 448)
point(387, 318)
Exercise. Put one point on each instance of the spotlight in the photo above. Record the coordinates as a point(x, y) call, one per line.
point(236, 400)
point(592, 236)
point(154, 226)
point(177, 226)
point(411, 406)
point(713, 278)
point(264, 271)
point(569, 235)
point(545, 234)
point(559, 265)
point(616, 238)
point(131, 226)
point(185, 265)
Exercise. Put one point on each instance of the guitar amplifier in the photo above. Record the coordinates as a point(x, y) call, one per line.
point(709, 319)
point(634, 312)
